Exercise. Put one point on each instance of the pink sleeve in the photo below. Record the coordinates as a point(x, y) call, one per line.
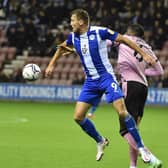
point(108, 43)
point(113, 44)
point(154, 71)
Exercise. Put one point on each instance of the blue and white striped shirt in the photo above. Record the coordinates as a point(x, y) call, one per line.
point(92, 49)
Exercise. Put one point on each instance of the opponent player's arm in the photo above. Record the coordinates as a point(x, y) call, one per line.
point(155, 70)
point(146, 57)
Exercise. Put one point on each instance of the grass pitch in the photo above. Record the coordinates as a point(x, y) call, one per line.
point(44, 135)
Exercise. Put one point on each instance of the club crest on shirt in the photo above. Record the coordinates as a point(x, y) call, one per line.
point(92, 37)
point(84, 49)
point(111, 31)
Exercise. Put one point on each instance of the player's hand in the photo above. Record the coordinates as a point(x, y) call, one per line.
point(150, 60)
point(66, 48)
point(67, 53)
point(49, 70)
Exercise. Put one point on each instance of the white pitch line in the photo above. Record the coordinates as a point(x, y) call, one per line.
point(13, 120)
point(22, 120)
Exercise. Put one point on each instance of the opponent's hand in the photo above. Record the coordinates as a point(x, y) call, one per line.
point(49, 70)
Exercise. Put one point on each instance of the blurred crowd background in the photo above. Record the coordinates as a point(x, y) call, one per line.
point(30, 30)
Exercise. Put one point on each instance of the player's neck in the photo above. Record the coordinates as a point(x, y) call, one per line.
point(84, 29)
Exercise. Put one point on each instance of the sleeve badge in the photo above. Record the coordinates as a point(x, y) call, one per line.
point(111, 31)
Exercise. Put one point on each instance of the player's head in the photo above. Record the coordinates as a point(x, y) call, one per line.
point(79, 19)
point(135, 30)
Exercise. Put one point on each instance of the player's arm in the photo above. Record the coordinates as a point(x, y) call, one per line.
point(120, 38)
point(114, 36)
point(62, 50)
point(52, 62)
point(155, 70)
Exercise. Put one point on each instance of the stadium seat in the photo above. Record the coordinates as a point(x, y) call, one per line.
point(45, 81)
point(70, 59)
point(29, 60)
point(62, 60)
point(67, 68)
point(76, 60)
point(64, 82)
point(35, 59)
point(3, 41)
point(4, 50)
point(1, 65)
point(2, 57)
point(64, 75)
point(45, 60)
point(11, 53)
point(54, 82)
point(43, 68)
point(75, 68)
point(165, 46)
point(56, 76)
point(58, 68)
point(2, 32)
point(72, 76)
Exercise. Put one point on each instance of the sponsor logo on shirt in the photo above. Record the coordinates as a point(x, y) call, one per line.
point(84, 49)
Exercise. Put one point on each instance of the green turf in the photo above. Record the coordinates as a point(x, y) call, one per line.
point(44, 135)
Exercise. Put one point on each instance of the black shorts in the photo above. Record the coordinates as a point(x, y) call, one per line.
point(135, 99)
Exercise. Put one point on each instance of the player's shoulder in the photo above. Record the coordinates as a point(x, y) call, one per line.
point(94, 28)
point(142, 42)
point(101, 30)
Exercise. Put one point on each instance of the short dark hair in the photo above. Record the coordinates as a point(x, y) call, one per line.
point(81, 14)
point(137, 29)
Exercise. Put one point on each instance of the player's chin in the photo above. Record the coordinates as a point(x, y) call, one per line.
point(74, 30)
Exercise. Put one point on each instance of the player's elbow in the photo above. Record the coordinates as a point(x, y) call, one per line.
point(161, 71)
